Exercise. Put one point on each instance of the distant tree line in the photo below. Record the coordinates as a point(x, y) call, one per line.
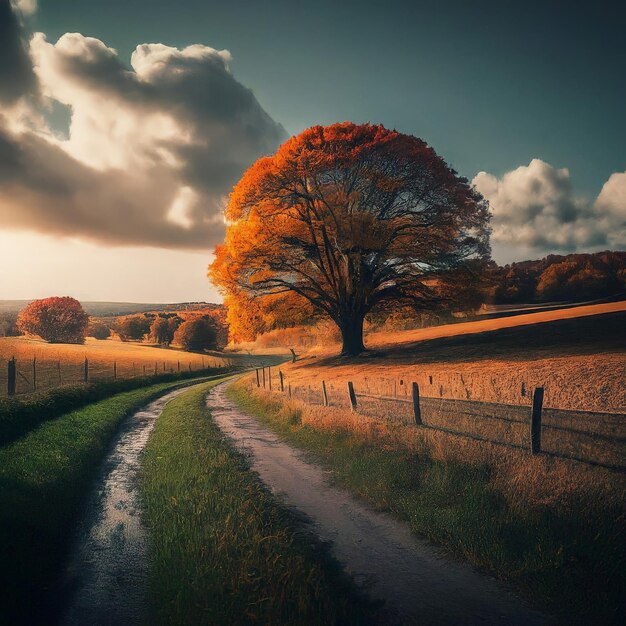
point(555, 278)
point(63, 320)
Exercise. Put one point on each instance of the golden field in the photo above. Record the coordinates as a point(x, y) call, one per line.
point(578, 355)
point(64, 363)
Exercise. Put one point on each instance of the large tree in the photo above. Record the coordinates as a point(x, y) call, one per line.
point(349, 218)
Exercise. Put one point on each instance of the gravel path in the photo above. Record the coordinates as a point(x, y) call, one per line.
point(419, 585)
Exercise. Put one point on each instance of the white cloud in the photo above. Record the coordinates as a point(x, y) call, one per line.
point(535, 207)
point(152, 151)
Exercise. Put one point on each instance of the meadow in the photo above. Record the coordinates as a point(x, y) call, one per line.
point(577, 355)
point(61, 364)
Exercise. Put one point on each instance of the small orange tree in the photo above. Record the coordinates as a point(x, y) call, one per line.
point(347, 219)
point(133, 327)
point(98, 330)
point(56, 320)
point(197, 334)
point(162, 329)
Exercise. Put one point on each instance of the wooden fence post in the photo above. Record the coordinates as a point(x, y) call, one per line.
point(293, 355)
point(59, 370)
point(11, 379)
point(269, 377)
point(86, 372)
point(34, 373)
point(351, 396)
point(415, 393)
point(324, 394)
point(290, 390)
point(535, 421)
point(114, 370)
point(258, 379)
point(282, 380)
point(263, 376)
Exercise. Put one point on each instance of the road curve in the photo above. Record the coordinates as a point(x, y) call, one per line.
point(419, 585)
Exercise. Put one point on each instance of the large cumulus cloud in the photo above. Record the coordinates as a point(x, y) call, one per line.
point(534, 206)
point(152, 149)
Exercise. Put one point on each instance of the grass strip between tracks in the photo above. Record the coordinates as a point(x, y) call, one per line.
point(222, 549)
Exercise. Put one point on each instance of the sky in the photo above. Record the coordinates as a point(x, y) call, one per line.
point(123, 125)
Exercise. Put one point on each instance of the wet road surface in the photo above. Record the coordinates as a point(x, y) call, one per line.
point(107, 576)
point(419, 584)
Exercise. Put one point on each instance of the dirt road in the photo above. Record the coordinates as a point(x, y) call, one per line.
point(420, 585)
point(107, 577)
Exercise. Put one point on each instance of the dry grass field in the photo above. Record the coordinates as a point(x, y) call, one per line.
point(59, 364)
point(578, 356)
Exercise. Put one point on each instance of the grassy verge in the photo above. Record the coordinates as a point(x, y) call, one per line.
point(570, 559)
point(44, 477)
point(222, 550)
point(20, 415)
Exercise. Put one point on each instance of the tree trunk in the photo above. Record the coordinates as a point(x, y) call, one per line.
point(352, 336)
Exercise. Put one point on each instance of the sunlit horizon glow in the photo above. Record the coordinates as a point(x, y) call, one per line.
point(37, 266)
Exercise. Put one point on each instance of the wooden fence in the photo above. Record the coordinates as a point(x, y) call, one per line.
point(24, 376)
point(588, 436)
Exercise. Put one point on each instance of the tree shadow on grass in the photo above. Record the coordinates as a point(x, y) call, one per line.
point(569, 337)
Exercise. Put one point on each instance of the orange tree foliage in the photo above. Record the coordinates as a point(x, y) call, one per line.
point(346, 219)
point(248, 317)
point(197, 334)
point(574, 277)
point(133, 327)
point(162, 329)
point(57, 320)
point(98, 330)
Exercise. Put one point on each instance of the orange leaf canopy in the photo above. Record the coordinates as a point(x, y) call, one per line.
point(346, 218)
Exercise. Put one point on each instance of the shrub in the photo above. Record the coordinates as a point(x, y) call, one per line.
point(163, 329)
point(134, 327)
point(99, 330)
point(197, 334)
point(56, 320)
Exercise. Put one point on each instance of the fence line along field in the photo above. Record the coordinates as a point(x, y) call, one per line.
point(480, 382)
point(41, 365)
point(591, 437)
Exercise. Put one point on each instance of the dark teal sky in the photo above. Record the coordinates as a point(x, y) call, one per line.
point(489, 85)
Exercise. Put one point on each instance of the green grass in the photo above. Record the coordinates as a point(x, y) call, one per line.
point(572, 563)
point(222, 550)
point(20, 415)
point(44, 478)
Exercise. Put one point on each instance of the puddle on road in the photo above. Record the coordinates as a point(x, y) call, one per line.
point(107, 575)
